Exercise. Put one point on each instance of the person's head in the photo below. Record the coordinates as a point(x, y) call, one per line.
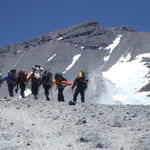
point(37, 68)
point(80, 74)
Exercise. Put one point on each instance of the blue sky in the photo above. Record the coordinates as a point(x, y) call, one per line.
point(26, 19)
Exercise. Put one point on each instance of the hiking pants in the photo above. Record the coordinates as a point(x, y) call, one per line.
point(77, 91)
point(60, 95)
point(10, 89)
point(22, 89)
point(46, 90)
point(35, 89)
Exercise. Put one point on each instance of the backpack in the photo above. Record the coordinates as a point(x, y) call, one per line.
point(47, 77)
point(59, 77)
point(23, 75)
point(12, 77)
point(86, 80)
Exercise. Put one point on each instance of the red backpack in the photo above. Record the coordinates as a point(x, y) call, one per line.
point(22, 74)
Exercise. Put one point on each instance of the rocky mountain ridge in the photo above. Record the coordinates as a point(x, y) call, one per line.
point(88, 31)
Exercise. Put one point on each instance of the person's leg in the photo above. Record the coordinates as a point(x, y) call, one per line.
point(10, 90)
point(82, 95)
point(60, 95)
point(35, 88)
point(22, 89)
point(46, 89)
point(76, 94)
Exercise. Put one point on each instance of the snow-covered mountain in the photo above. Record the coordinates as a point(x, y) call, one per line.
point(117, 61)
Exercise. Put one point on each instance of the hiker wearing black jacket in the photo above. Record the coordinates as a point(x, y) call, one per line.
point(81, 84)
point(58, 81)
point(47, 79)
point(11, 81)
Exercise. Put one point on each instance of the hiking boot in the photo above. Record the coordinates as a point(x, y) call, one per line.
point(83, 101)
point(48, 99)
point(36, 97)
point(22, 95)
point(72, 102)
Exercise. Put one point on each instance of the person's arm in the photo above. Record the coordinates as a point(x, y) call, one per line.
point(5, 78)
point(30, 75)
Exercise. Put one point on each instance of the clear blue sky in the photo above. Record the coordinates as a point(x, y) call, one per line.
point(25, 19)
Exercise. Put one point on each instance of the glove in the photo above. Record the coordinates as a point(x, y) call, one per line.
point(16, 90)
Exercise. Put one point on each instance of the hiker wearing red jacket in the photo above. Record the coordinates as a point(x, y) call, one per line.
point(21, 82)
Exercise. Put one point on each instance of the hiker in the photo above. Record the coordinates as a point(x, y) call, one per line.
point(21, 82)
point(11, 79)
point(36, 79)
point(80, 82)
point(47, 79)
point(57, 80)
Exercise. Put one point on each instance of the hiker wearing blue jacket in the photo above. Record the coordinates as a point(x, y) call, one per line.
point(3, 79)
point(11, 79)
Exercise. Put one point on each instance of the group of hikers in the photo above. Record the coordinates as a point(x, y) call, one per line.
point(38, 77)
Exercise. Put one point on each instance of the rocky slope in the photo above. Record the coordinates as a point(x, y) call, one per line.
point(41, 125)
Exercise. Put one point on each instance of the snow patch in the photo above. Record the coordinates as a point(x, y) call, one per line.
point(115, 43)
point(27, 92)
point(18, 51)
point(60, 38)
point(75, 58)
point(51, 57)
point(128, 79)
point(82, 47)
point(100, 47)
point(140, 57)
point(112, 46)
point(125, 58)
point(106, 58)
